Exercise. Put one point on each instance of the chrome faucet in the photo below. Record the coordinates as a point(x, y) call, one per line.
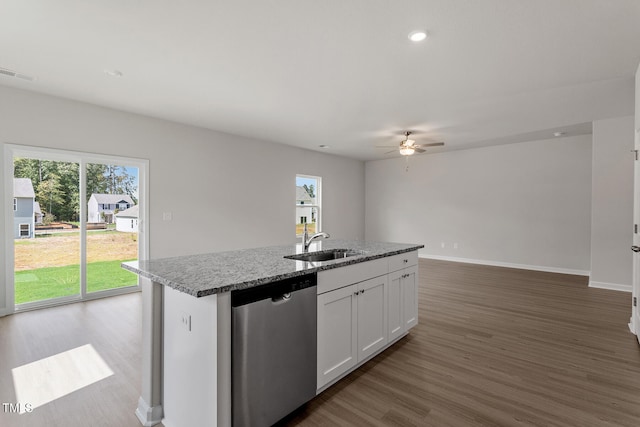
point(306, 240)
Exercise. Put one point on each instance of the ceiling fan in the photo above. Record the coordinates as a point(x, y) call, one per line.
point(408, 146)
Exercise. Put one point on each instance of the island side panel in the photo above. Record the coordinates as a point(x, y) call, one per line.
point(190, 360)
point(149, 410)
point(224, 359)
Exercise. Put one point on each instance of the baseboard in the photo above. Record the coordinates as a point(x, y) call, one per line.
point(148, 416)
point(610, 286)
point(509, 265)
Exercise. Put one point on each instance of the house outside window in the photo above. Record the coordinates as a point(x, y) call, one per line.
point(15, 204)
point(308, 203)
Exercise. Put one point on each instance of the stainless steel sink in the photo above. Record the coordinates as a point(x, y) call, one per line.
point(325, 255)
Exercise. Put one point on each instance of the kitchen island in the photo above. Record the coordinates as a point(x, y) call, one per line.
point(187, 318)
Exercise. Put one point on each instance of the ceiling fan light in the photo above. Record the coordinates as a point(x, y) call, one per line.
point(407, 150)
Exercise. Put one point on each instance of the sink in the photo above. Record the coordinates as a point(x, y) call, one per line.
point(325, 255)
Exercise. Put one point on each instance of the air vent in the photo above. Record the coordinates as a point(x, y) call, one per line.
point(11, 73)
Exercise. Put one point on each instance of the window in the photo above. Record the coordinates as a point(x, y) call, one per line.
point(308, 203)
point(15, 204)
point(25, 230)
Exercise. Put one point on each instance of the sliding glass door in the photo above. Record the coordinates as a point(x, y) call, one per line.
point(45, 229)
point(112, 225)
point(76, 218)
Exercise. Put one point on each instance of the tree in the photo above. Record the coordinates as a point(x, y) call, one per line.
point(69, 209)
point(50, 192)
point(28, 168)
point(118, 181)
point(57, 184)
point(310, 190)
point(96, 181)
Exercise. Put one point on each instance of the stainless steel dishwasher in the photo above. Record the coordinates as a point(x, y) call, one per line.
point(274, 350)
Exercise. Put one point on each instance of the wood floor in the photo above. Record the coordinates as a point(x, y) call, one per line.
point(494, 347)
point(497, 347)
point(112, 326)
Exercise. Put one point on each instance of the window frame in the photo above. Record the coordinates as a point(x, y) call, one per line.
point(82, 158)
point(317, 205)
point(28, 230)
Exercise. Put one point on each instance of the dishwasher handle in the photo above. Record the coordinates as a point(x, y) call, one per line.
point(281, 299)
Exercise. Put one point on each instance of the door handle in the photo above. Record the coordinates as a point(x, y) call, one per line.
point(635, 248)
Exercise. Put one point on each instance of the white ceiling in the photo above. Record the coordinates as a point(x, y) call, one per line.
point(336, 72)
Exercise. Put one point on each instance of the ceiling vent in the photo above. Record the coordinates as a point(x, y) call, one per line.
point(10, 73)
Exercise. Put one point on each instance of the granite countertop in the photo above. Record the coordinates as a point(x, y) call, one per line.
point(207, 274)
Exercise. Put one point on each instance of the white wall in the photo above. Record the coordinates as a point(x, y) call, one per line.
point(637, 103)
point(526, 204)
point(213, 183)
point(612, 203)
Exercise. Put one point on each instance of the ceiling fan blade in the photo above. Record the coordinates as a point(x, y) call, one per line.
point(386, 146)
point(432, 144)
point(392, 151)
point(419, 150)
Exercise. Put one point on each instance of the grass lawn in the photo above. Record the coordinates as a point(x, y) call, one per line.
point(63, 249)
point(311, 228)
point(53, 282)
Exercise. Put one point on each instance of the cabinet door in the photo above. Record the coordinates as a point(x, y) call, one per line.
point(372, 316)
point(337, 333)
point(410, 297)
point(395, 303)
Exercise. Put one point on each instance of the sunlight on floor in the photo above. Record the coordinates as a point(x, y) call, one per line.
point(48, 379)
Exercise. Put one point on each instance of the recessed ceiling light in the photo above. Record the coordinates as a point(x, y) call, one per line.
point(113, 73)
point(417, 36)
point(556, 134)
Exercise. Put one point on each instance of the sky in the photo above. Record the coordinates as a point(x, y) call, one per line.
point(302, 181)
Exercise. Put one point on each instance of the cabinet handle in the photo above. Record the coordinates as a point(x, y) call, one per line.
point(362, 291)
point(406, 261)
point(356, 293)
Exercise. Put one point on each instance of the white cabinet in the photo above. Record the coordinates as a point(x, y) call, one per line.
point(402, 295)
point(337, 333)
point(351, 327)
point(396, 322)
point(372, 316)
point(409, 286)
point(362, 308)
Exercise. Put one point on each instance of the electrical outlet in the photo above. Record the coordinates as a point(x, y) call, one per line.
point(186, 321)
point(455, 245)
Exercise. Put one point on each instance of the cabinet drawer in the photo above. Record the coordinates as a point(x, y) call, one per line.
point(407, 259)
point(336, 278)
